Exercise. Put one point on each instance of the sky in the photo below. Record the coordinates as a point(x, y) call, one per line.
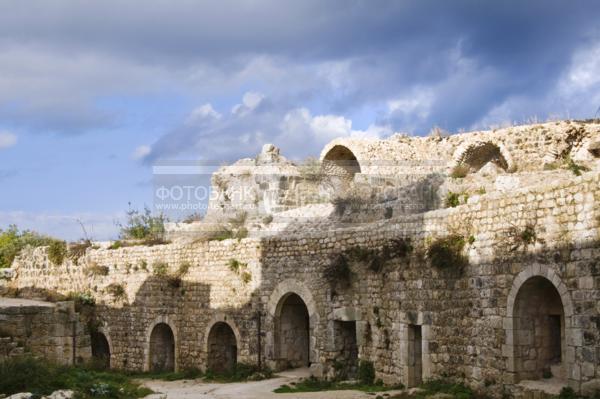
point(94, 93)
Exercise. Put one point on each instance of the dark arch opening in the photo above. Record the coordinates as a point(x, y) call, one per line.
point(539, 331)
point(340, 161)
point(478, 155)
point(100, 350)
point(292, 333)
point(162, 348)
point(222, 348)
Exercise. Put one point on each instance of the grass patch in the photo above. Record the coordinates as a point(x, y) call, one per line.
point(241, 372)
point(27, 374)
point(116, 290)
point(187, 374)
point(241, 269)
point(459, 171)
point(455, 199)
point(432, 387)
point(97, 270)
point(315, 385)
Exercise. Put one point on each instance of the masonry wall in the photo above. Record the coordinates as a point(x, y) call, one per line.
point(465, 315)
point(53, 331)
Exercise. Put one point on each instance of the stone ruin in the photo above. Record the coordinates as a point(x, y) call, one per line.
point(473, 256)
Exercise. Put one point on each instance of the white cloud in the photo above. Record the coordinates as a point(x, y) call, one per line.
point(7, 139)
point(301, 132)
point(205, 111)
point(141, 152)
point(250, 101)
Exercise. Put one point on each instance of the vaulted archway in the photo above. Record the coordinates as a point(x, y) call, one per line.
point(222, 348)
point(538, 326)
point(100, 350)
point(292, 332)
point(341, 161)
point(162, 348)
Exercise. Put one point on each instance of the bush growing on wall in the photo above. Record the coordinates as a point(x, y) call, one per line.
point(12, 241)
point(446, 252)
point(143, 226)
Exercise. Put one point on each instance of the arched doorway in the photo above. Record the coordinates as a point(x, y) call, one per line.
point(292, 332)
point(100, 350)
point(222, 348)
point(162, 348)
point(340, 161)
point(539, 331)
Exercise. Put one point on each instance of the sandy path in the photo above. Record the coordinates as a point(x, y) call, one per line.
point(188, 389)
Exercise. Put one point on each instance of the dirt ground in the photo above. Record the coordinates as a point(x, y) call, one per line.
point(188, 389)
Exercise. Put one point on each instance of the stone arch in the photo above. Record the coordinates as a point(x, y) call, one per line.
point(221, 343)
point(100, 348)
point(475, 155)
point(339, 160)
point(538, 326)
point(295, 318)
point(161, 345)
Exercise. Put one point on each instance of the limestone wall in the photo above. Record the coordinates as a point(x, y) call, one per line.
point(459, 321)
point(53, 331)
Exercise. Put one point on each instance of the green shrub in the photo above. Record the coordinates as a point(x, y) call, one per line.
point(12, 241)
point(57, 250)
point(313, 384)
point(143, 226)
point(82, 299)
point(28, 374)
point(246, 277)
point(456, 390)
point(528, 235)
point(452, 199)
point(366, 372)
point(446, 252)
point(116, 290)
point(267, 219)
point(116, 245)
point(235, 265)
point(574, 167)
point(567, 393)
point(160, 269)
point(240, 268)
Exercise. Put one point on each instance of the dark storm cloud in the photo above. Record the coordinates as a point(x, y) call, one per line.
point(472, 57)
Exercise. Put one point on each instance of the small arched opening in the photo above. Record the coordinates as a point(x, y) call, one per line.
point(222, 348)
point(292, 332)
point(100, 350)
point(478, 155)
point(539, 331)
point(162, 348)
point(340, 161)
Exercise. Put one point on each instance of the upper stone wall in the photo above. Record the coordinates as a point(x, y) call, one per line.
point(524, 148)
